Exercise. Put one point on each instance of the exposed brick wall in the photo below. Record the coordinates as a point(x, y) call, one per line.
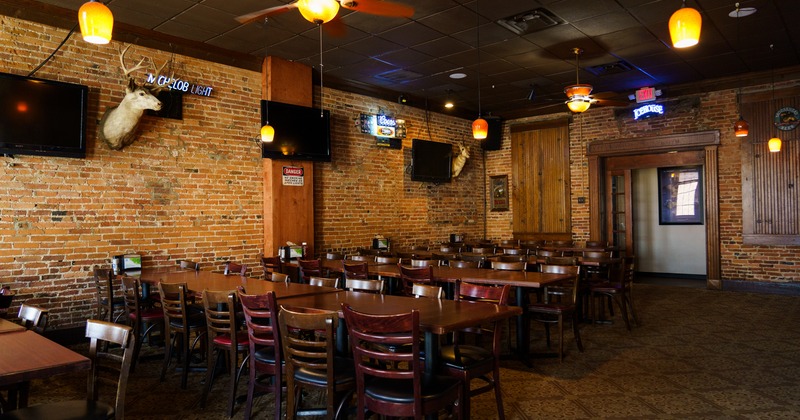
point(185, 189)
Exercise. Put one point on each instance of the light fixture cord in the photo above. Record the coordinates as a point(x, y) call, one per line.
point(772, 104)
point(478, 46)
point(46, 60)
point(321, 84)
point(266, 56)
point(738, 43)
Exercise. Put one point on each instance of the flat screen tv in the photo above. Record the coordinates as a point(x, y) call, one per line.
point(301, 133)
point(42, 117)
point(430, 161)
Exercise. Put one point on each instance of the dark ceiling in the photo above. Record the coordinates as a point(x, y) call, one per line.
point(625, 42)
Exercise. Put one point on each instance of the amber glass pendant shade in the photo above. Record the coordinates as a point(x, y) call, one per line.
point(96, 22)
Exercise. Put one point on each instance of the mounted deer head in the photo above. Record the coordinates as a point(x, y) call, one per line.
point(460, 159)
point(118, 125)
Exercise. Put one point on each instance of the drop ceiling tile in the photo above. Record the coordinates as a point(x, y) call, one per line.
point(606, 24)
point(453, 20)
point(185, 31)
point(207, 18)
point(411, 34)
point(442, 46)
point(566, 9)
point(404, 58)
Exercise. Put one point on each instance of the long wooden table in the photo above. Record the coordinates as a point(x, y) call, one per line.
point(521, 280)
point(437, 317)
point(7, 326)
point(197, 281)
point(26, 356)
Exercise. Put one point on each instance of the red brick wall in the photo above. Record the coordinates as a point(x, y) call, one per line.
point(184, 189)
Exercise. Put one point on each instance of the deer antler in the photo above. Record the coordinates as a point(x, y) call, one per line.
point(126, 70)
point(158, 87)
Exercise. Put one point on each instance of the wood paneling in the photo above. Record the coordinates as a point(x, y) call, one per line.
point(540, 179)
point(770, 201)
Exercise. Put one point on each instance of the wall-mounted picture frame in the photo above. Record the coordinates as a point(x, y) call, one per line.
point(498, 190)
point(680, 195)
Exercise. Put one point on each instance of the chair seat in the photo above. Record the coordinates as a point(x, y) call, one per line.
point(242, 339)
point(471, 356)
point(401, 390)
point(344, 368)
point(551, 308)
point(76, 409)
point(607, 287)
point(265, 355)
point(146, 315)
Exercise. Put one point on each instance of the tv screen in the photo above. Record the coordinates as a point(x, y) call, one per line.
point(42, 117)
point(301, 133)
point(430, 161)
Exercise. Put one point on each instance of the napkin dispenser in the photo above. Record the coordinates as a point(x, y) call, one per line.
point(129, 262)
point(456, 238)
point(380, 243)
point(292, 252)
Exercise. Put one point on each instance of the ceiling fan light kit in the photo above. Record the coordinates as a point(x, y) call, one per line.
point(96, 22)
point(684, 27)
point(318, 11)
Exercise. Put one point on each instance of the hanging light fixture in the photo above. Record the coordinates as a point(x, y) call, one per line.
point(96, 22)
point(318, 11)
point(578, 94)
point(267, 131)
point(740, 128)
point(684, 27)
point(774, 144)
point(480, 128)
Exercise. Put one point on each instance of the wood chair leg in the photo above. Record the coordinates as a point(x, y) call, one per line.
point(576, 331)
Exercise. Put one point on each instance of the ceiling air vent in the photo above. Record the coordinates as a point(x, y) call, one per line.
point(398, 76)
point(531, 21)
point(609, 68)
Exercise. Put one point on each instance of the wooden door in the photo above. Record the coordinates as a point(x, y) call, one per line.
point(619, 209)
point(540, 180)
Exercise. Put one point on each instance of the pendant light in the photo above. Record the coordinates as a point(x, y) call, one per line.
point(578, 94)
point(774, 144)
point(684, 27)
point(318, 11)
point(267, 131)
point(96, 22)
point(740, 128)
point(480, 128)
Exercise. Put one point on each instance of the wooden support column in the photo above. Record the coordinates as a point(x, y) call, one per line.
point(288, 210)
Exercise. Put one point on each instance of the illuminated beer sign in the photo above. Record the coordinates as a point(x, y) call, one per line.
point(647, 111)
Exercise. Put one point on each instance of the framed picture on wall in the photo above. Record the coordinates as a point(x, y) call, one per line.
point(680, 195)
point(498, 188)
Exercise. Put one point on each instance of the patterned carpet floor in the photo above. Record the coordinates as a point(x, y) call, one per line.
point(696, 354)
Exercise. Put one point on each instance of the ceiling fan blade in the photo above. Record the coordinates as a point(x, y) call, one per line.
point(377, 7)
point(261, 14)
point(608, 102)
point(335, 27)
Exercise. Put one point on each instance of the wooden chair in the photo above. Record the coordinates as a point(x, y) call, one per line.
point(483, 250)
point(480, 259)
point(469, 362)
point(597, 244)
point(419, 290)
point(409, 276)
point(309, 351)
point(560, 261)
point(425, 262)
point(310, 268)
point(513, 258)
point(386, 260)
point(450, 249)
point(324, 281)
point(559, 305)
point(6, 298)
point(514, 251)
point(366, 286)
point(334, 256)
point(261, 318)
point(232, 268)
point(464, 264)
point(509, 243)
point(33, 318)
point(181, 321)
point(279, 278)
point(619, 290)
point(509, 265)
point(444, 257)
point(271, 265)
point(141, 316)
point(189, 265)
point(391, 383)
point(363, 258)
point(354, 271)
point(420, 247)
point(107, 369)
point(225, 339)
point(107, 303)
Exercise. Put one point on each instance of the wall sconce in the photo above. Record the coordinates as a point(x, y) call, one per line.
point(96, 22)
point(684, 27)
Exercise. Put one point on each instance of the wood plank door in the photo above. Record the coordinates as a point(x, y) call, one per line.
point(540, 180)
point(619, 209)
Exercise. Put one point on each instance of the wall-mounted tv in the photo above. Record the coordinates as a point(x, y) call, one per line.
point(42, 117)
point(301, 133)
point(430, 161)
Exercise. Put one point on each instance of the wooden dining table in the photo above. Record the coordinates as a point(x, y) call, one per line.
point(26, 355)
point(523, 281)
point(437, 316)
point(197, 281)
point(7, 326)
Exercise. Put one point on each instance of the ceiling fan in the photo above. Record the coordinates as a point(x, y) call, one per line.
point(579, 96)
point(322, 11)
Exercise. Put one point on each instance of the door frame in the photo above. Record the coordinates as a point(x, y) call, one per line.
point(661, 147)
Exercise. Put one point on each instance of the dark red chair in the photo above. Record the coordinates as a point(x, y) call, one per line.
point(409, 276)
point(140, 315)
point(393, 383)
point(261, 317)
point(309, 268)
point(559, 305)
